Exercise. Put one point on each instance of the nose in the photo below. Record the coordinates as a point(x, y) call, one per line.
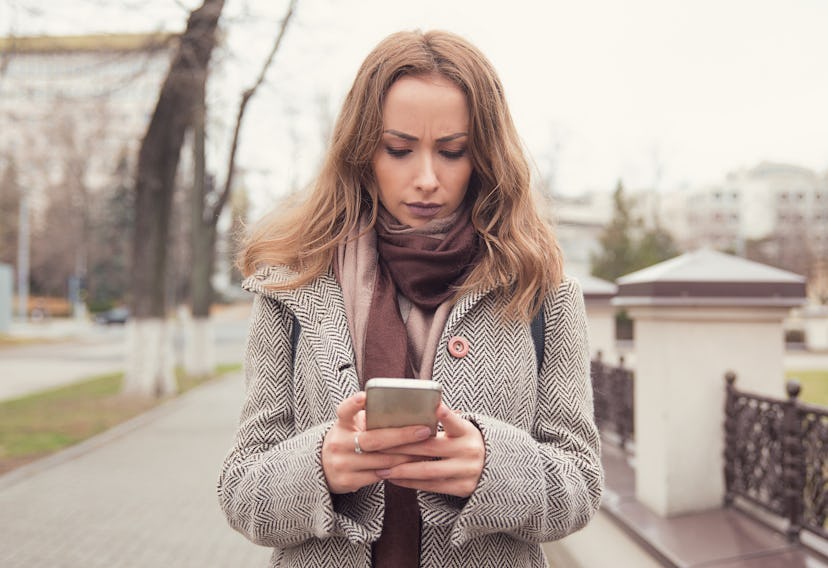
point(426, 178)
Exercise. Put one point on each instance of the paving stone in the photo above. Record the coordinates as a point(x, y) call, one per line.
point(142, 498)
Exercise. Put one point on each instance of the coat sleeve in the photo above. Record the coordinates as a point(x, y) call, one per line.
point(272, 487)
point(542, 485)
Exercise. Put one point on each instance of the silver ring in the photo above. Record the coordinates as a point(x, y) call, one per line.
point(357, 449)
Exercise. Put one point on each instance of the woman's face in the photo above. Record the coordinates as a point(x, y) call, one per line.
point(422, 165)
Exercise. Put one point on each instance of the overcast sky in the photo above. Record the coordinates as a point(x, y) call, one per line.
point(600, 90)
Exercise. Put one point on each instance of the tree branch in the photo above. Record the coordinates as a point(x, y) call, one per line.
point(246, 96)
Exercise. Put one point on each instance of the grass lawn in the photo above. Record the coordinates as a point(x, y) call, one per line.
point(37, 425)
point(814, 386)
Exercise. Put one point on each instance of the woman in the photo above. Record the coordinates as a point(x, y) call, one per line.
point(419, 254)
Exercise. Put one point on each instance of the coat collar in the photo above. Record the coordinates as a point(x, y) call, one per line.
point(303, 300)
point(319, 306)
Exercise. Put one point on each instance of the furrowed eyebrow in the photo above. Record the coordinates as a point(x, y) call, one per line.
point(411, 138)
point(402, 135)
point(451, 137)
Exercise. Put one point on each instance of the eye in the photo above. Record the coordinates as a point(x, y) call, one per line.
point(453, 154)
point(397, 152)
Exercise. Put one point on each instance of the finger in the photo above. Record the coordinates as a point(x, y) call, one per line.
point(340, 465)
point(431, 469)
point(348, 408)
point(380, 462)
point(453, 425)
point(436, 447)
point(382, 439)
point(340, 446)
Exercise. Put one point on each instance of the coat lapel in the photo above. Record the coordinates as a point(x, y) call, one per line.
point(459, 311)
point(320, 310)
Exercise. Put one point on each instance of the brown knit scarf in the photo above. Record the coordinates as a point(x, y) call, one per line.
point(426, 270)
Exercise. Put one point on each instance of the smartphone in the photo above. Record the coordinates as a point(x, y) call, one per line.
point(391, 403)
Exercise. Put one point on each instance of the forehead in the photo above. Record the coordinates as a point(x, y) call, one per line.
point(415, 101)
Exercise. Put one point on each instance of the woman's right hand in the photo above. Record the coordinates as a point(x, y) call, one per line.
point(345, 469)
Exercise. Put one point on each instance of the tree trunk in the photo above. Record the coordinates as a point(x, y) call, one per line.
point(199, 356)
point(199, 340)
point(199, 348)
point(148, 370)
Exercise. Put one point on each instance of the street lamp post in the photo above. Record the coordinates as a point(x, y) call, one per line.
point(23, 252)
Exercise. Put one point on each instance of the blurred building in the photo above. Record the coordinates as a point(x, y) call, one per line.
point(786, 216)
point(712, 218)
point(87, 93)
point(579, 222)
point(73, 111)
point(773, 213)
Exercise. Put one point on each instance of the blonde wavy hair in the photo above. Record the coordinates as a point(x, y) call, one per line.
point(520, 258)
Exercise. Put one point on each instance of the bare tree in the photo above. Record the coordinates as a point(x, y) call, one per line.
point(9, 207)
point(149, 361)
point(111, 238)
point(62, 241)
point(240, 210)
point(208, 203)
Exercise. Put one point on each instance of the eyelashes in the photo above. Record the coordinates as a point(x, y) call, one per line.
point(397, 152)
point(453, 155)
point(448, 154)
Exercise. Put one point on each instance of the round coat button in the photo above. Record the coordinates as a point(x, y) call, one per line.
point(458, 346)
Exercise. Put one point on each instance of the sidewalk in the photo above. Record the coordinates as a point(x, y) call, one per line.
point(721, 538)
point(141, 495)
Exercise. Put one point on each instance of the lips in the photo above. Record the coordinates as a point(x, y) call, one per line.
point(423, 209)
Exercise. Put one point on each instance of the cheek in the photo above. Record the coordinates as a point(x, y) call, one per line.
point(380, 176)
point(386, 172)
point(461, 177)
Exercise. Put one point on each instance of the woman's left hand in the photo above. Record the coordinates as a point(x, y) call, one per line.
point(459, 450)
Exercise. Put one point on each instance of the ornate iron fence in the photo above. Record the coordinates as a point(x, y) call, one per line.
point(612, 389)
point(776, 457)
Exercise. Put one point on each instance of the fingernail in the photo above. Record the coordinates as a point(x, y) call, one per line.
point(422, 433)
point(383, 473)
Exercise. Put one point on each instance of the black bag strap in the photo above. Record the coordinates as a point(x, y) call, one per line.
point(537, 329)
point(294, 338)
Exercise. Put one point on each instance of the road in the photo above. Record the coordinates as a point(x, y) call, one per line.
point(72, 352)
point(75, 352)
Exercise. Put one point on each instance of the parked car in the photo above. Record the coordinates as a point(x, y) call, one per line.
point(117, 315)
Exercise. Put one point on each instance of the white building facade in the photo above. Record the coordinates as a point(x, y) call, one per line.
point(73, 111)
point(95, 92)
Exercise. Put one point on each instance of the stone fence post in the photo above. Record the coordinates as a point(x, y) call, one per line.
point(696, 317)
point(598, 294)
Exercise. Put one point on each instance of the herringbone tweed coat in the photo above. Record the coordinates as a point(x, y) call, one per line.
point(542, 476)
